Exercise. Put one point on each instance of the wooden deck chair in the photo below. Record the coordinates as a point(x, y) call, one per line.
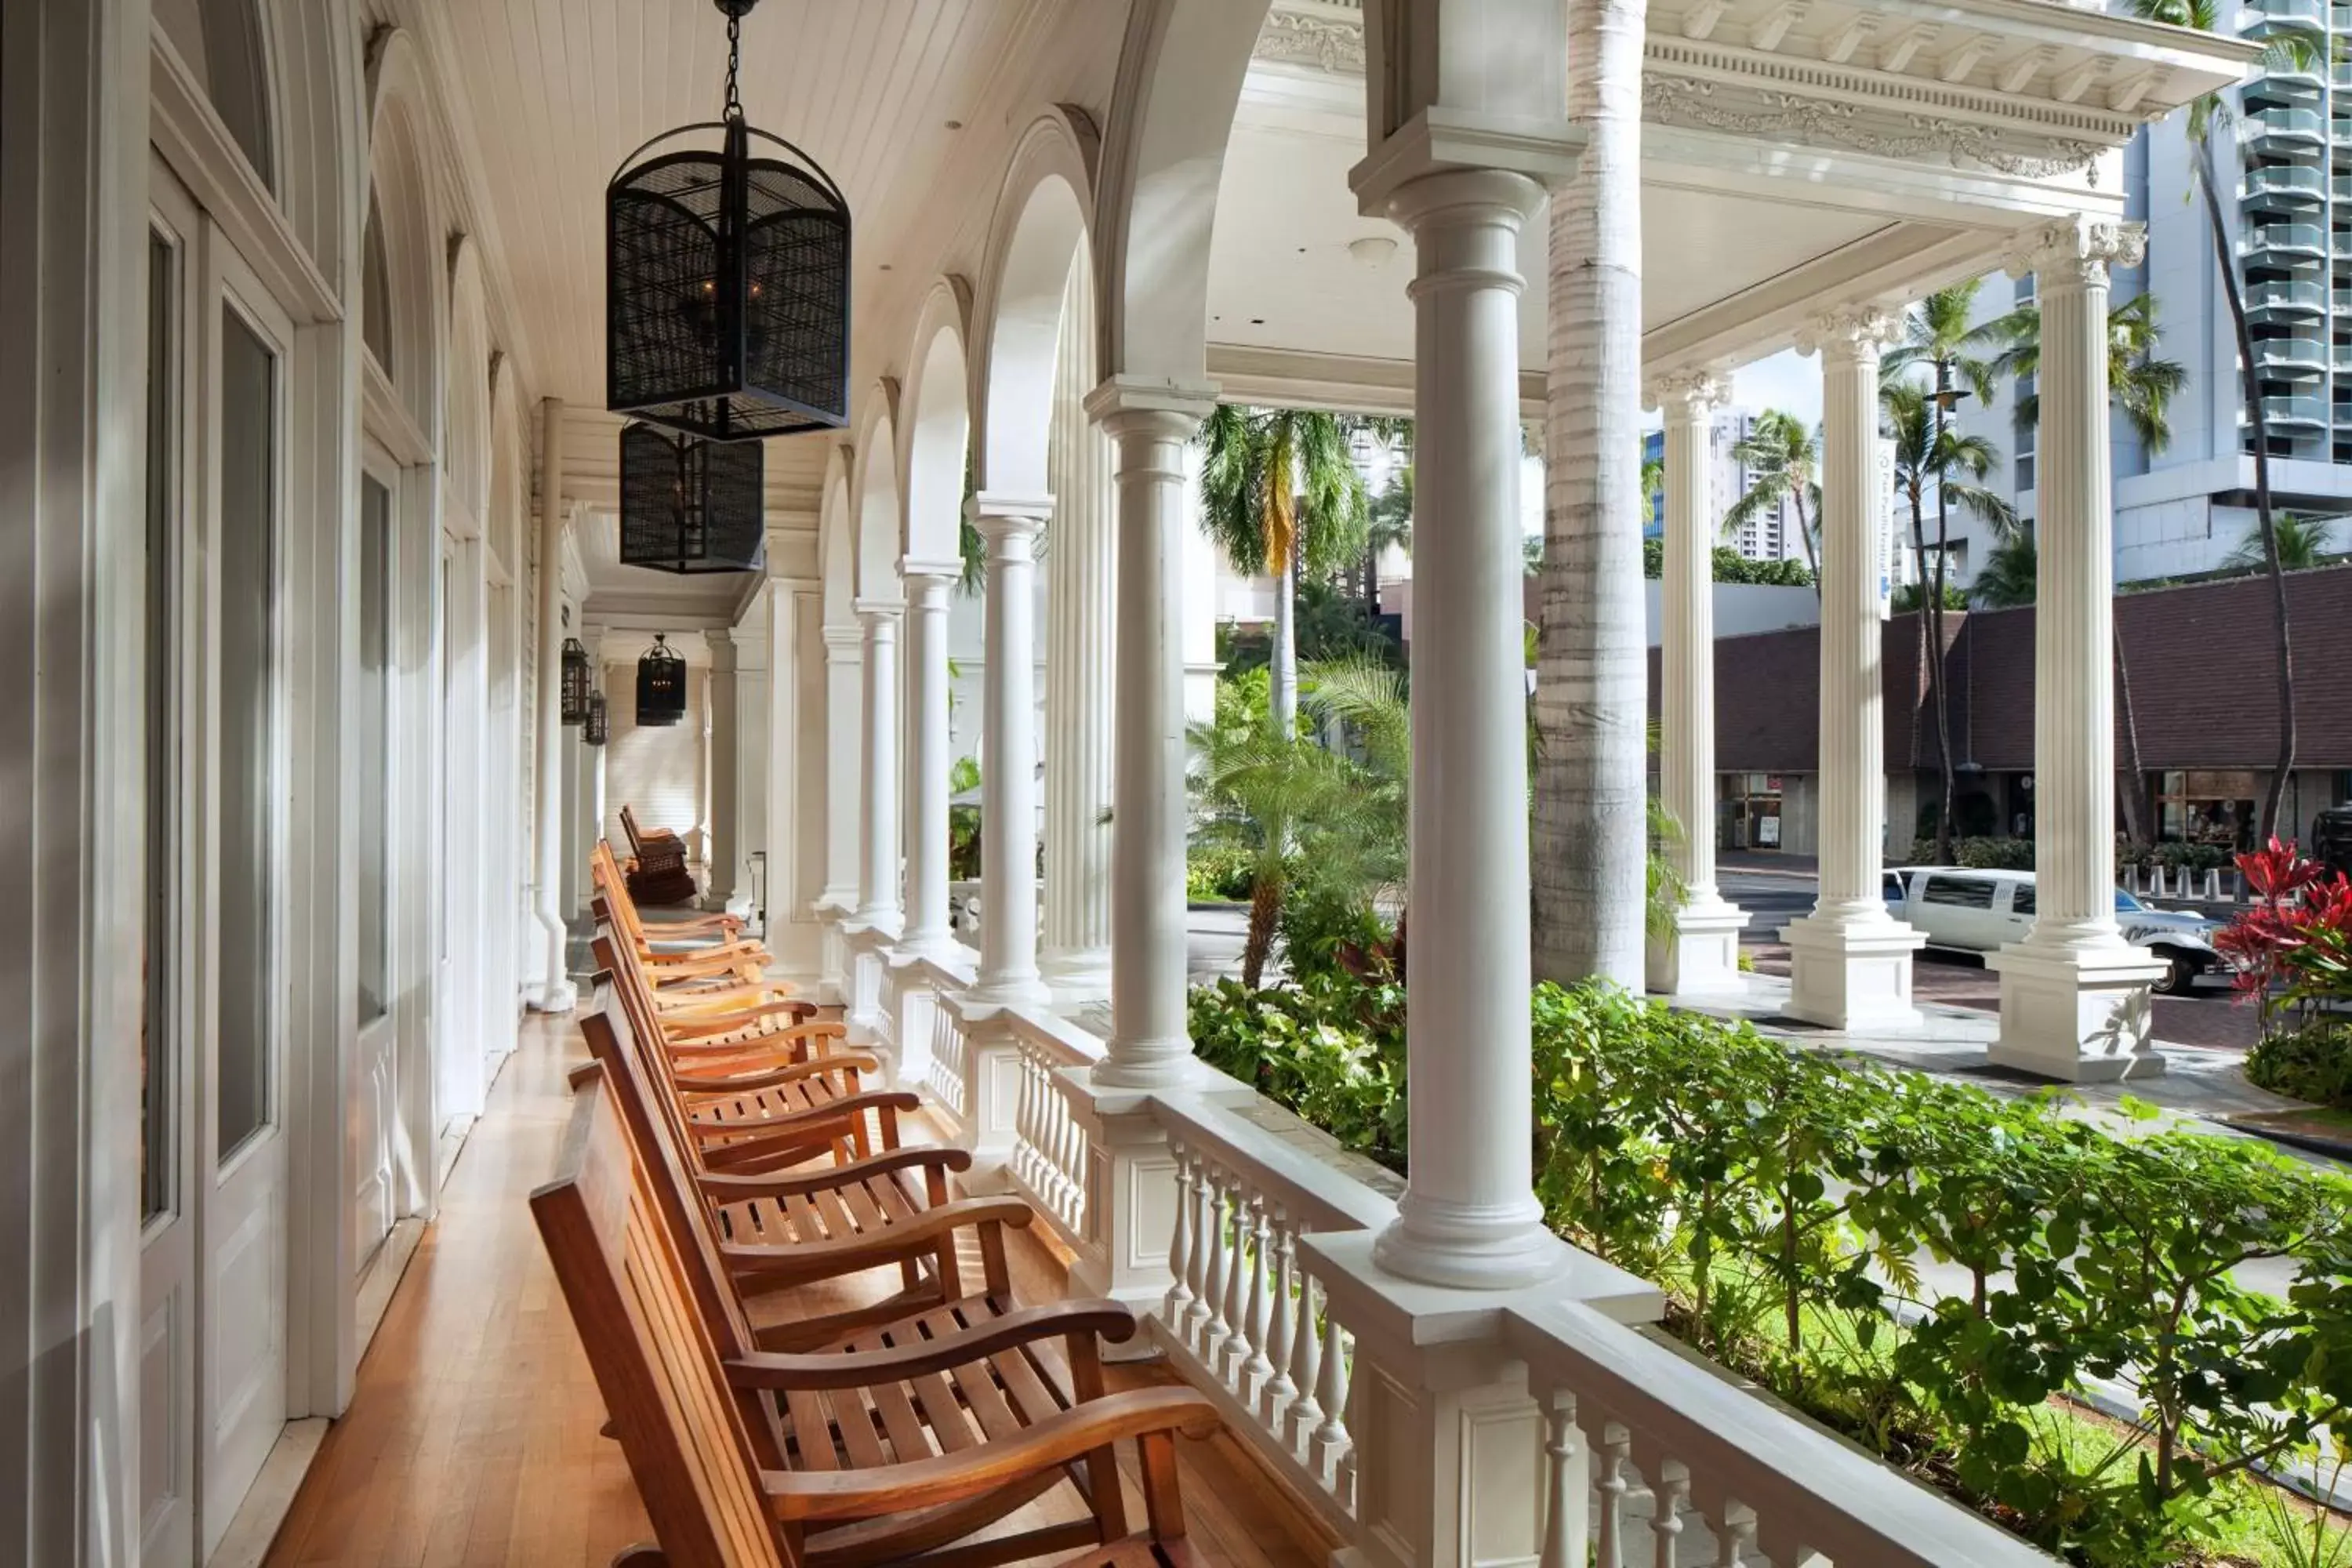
point(695, 928)
point(765, 1035)
point(657, 872)
point(729, 962)
point(678, 1411)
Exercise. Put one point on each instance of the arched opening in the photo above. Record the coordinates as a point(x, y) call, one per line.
point(224, 46)
point(936, 421)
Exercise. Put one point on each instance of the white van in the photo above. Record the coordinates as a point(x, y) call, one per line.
point(1982, 911)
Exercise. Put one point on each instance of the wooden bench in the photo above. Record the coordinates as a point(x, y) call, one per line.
point(864, 1454)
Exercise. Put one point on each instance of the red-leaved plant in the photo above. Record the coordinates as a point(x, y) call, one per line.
point(2294, 945)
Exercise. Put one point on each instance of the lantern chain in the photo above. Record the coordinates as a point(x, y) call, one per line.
point(734, 109)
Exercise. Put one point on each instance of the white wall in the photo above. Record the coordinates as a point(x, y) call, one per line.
point(1742, 609)
point(659, 770)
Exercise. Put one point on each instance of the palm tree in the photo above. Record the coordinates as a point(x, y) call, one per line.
point(2303, 543)
point(1389, 524)
point(2006, 579)
point(1279, 491)
point(1785, 460)
point(1932, 457)
point(2141, 384)
point(2280, 51)
point(1590, 792)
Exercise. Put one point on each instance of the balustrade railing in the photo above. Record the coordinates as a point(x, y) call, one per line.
point(1050, 1155)
point(1246, 1315)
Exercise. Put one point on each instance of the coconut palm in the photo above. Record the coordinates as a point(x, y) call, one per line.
point(2303, 543)
point(2006, 579)
point(2286, 50)
point(1935, 462)
point(2141, 384)
point(1389, 524)
point(1280, 491)
point(1590, 808)
point(1784, 460)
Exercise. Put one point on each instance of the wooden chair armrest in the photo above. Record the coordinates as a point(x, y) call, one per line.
point(793, 1121)
point(698, 969)
point(771, 1077)
point(690, 999)
point(1058, 1439)
point(863, 1369)
point(718, 1020)
point(728, 1189)
point(916, 1237)
point(705, 952)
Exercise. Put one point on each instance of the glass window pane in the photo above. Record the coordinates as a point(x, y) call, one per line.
point(249, 377)
point(158, 1111)
point(374, 710)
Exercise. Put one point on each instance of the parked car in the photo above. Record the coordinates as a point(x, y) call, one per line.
point(1980, 911)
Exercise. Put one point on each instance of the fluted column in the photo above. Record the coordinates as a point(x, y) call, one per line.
point(2073, 993)
point(877, 874)
point(929, 757)
point(1468, 1215)
point(1850, 961)
point(1008, 763)
point(1701, 955)
point(726, 825)
point(844, 725)
point(555, 992)
point(1080, 660)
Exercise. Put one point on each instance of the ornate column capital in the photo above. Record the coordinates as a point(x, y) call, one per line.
point(1849, 333)
point(2076, 252)
point(1689, 395)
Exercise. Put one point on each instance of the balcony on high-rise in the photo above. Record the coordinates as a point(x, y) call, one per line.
point(2288, 185)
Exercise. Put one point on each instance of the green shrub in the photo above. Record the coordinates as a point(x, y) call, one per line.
point(2313, 1062)
point(1217, 872)
point(1995, 853)
point(1788, 1200)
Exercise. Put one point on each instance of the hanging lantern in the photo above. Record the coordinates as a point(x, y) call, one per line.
point(578, 680)
point(661, 685)
point(690, 505)
point(599, 726)
point(727, 282)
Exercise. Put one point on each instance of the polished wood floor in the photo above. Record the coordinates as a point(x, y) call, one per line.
point(472, 1440)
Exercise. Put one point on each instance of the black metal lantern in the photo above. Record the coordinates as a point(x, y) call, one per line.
point(690, 505)
point(578, 680)
point(599, 726)
point(661, 685)
point(727, 282)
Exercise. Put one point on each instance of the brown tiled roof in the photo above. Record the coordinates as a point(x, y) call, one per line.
point(2201, 667)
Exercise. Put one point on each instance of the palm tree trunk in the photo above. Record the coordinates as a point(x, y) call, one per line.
point(1264, 915)
point(1932, 623)
point(2283, 767)
point(2131, 779)
point(1590, 843)
point(1805, 537)
point(1283, 670)
point(1927, 664)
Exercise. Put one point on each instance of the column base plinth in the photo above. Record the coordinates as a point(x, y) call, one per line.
point(1701, 957)
point(2077, 1014)
point(1851, 973)
point(1076, 976)
point(558, 997)
point(1465, 1248)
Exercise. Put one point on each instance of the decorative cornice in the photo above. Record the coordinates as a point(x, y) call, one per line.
point(1823, 122)
point(1319, 43)
point(2076, 252)
point(1687, 393)
point(1849, 333)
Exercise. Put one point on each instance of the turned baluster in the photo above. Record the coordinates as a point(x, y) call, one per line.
point(1180, 1244)
point(1734, 1535)
point(1198, 1316)
point(1222, 1263)
point(1566, 1523)
point(1306, 1367)
point(1233, 1348)
point(1330, 1443)
point(1257, 1367)
point(1609, 1548)
point(1279, 1390)
point(1667, 1497)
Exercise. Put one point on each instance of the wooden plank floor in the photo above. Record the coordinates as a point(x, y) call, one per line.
point(472, 1440)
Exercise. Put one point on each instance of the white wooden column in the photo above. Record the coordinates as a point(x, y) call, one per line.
point(1080, 659)
point(725, 825)
point(1850, 961)
point(1008, 762)
point(1701, 955)
point(844, 731)
point(795, 764)
point(877, 877)
point(929, 757)
point(1468, 1216)
point(2073, 993)
point(555, 994)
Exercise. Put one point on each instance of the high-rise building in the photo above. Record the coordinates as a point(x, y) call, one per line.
point(2283, 162)
point(1771, 535)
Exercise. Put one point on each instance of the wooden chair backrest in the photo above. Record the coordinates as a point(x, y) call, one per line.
point(649, 1117)
point(611, 891)
point(629, 827)
point(678, 1423)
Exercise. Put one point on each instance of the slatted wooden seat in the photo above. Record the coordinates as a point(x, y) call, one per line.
point(656, 871)
point(704, 1466)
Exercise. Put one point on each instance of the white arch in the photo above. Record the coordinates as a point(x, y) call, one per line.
point(509, 475)
point(935, 424)
point(1179, 83)
point(320, 126)
point(873, 497)
point(836, 540)
point(1041, 219)
point(466, 408)
point(400, 174)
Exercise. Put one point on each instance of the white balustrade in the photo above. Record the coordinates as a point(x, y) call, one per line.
point(1050, 1157)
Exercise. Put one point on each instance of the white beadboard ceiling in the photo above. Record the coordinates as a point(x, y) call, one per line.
point(555, 93)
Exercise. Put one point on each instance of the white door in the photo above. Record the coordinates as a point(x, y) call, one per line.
point(240, 1132)
point(167, 1332)
point(375, 1098)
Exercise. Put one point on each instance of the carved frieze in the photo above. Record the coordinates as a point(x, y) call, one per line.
point(1824, 123)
